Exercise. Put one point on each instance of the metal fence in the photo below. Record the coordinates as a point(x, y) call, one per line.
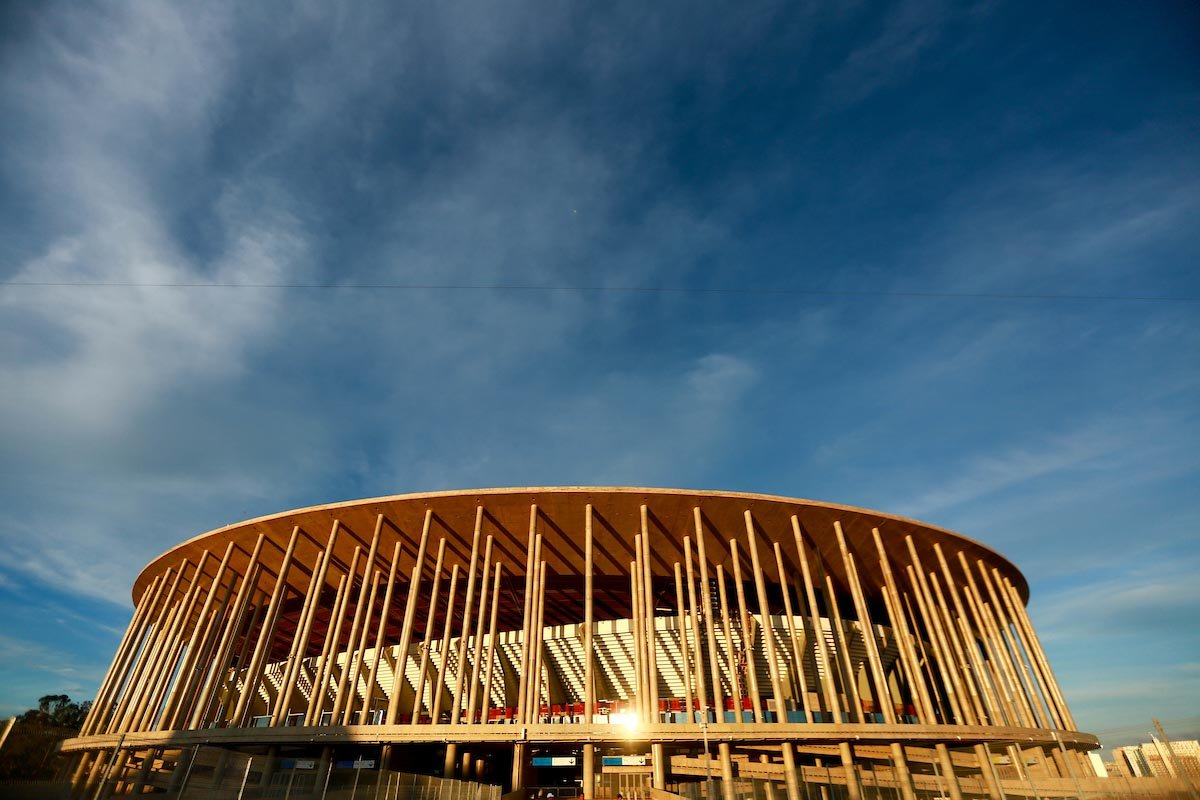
point(34, 790)
point(1021, 776)
point(1111, 788)
point(206, 773)
point(215, 774)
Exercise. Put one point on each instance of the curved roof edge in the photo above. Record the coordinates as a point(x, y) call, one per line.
point(536, 490)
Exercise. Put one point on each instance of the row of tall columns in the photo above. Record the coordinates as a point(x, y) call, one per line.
point(158, 639)
point(224, 649)
point(589, 669)
point(477, 647)
point(1018, 688)
point(134, 684)
point(1014, 661)
point(176, 654)
point(410, 611)
point(304, 630)
point(1014, 669)
point(966, 655)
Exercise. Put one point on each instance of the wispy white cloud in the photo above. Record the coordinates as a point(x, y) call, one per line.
point(110, 101)
point(908, 29)
point(101, 377)
point(41, 669)
point(116, 98)
point(1145, 594)
point(985, 474)
point(688, 422)
point(624, 428)
point(1118, 705)
point(124, 347)
point(1069, 224)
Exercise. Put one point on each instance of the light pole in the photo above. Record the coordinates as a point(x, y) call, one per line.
point(245, 777)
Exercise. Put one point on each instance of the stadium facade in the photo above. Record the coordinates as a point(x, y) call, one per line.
point(611, 639)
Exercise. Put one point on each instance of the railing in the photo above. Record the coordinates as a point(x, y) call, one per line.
point(670, 710)
point(35, 790)
point(213, 774)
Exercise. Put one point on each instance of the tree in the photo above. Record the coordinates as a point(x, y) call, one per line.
point(57, 710)
point(27, 754)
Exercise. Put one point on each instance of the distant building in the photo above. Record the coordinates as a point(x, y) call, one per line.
point(1154, 759)
point(1187, 754)
point(1131, 761)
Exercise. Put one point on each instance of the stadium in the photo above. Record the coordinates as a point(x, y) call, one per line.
point(580, 641)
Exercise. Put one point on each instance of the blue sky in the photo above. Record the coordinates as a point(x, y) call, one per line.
point(919, 204)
